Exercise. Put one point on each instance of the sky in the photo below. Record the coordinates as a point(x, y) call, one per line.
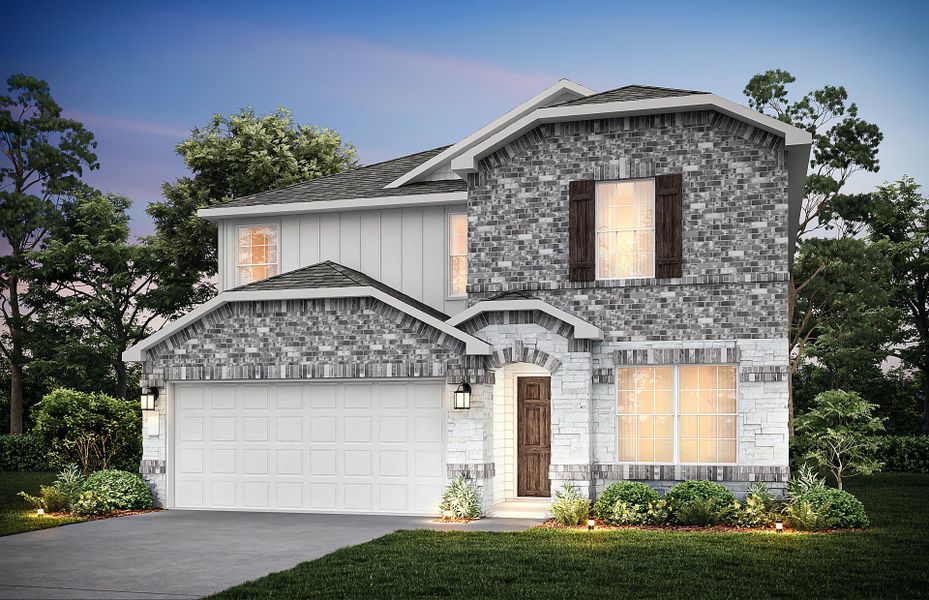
point(395, 78)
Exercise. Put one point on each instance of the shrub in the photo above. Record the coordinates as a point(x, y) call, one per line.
point(569, 507)
point(93, 430)
point(804, 480)
point(759, 508)
point(118, 490)
point(22, 452)
point(461, 500)
point(839, 509)
point(904, 453)
point(70, 482)
point(635, 495)
point(50, 499)
point(803, 516)
point(91, 502)
point(838, 430)
point(700, 502)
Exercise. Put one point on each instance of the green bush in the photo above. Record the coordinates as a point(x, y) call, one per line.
point(23, 452)
point(803, 480)
point(70, 482)
point(839, 509)
point(91, 502)
point(700, 502)
point(904, 453)
point(93, 430)
point(118, 490)
point(759, 508)
point(569, 508)
point(461, 500)
point(803, 516)
point(50, 499)
point(635, 495)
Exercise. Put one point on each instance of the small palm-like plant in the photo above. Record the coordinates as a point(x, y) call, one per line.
point(460, 499)
point(569, 507)
point(805, 480)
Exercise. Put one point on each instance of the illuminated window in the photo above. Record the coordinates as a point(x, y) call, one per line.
point(626, 229)
point(701, 398)
point(646, 414)
point(457, 255)
point(707, 414)
point(257, 253)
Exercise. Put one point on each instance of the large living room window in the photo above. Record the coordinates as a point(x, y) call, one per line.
point(457, 255)
point(625, 229)
point(257, 253)
point(684, 414)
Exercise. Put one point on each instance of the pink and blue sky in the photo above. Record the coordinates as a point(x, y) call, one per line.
point(396, 78)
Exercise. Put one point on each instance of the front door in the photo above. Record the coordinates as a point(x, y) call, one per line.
point(533, 436)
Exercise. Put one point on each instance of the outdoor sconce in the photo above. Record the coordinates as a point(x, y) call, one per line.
point(463, 397)
point(149, 395)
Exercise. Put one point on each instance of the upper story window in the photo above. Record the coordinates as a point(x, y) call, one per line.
point(457, 255)
point(683, 414)
point(625, 229)
point(258, 255)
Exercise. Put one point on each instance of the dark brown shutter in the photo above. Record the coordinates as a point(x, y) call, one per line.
point(581, 224)
point(669, 197)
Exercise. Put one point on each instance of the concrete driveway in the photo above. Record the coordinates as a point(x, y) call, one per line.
point(184, 554)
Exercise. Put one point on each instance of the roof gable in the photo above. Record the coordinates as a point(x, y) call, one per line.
point(628, 93)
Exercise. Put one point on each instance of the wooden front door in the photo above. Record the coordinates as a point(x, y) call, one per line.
point(533, 436)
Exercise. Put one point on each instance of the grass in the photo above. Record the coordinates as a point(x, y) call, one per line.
point(889, 560)
point(16, 515)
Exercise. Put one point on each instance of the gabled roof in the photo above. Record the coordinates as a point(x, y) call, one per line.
point(329, 274)
point(514, 295)
point(363, 182)
point(630, 92)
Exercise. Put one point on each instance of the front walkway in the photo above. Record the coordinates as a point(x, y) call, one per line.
point(185, 554)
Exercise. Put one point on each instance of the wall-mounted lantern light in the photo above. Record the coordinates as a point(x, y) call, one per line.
point(463, 396)
point(149, 395)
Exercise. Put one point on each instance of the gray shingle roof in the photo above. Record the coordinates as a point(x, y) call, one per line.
point(630, 92)
point(331, 274)
point(363, 182)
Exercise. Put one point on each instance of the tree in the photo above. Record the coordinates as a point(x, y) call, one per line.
point(898, 217)
point(838, 433)
point(843, 144)
point(233, 156)
point(95, 280)
point(44, 154)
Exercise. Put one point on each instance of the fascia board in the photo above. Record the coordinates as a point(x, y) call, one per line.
point(292, 208)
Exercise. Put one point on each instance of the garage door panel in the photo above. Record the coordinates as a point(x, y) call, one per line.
point(340, 447)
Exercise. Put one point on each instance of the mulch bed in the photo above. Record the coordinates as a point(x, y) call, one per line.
point(112, 515)
point(603, 526)
point(451, 520)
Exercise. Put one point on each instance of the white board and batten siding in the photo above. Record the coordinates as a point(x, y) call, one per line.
point(373, 447)
point(406, 248)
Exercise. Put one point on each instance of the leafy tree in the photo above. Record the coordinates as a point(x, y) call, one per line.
point(43, 156)
point(99, 283)
point(843, 144)
point(233, 156)
point(837, 432)
point(898, 218)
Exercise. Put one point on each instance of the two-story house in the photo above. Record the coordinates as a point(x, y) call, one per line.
point(591, 288)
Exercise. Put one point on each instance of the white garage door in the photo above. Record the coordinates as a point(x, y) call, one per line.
point(373, 447)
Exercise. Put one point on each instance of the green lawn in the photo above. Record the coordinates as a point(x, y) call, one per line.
point(890, 560)
point(16, 515)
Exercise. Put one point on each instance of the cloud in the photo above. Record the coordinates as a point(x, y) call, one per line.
point(93, 121)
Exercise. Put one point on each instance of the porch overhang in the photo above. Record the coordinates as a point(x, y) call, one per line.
point(582, 329)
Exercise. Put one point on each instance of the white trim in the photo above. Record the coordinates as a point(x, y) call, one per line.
point(467, 161)
point(582, 329)
point(473, 345)
point(291, 208)
point(562, 91)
